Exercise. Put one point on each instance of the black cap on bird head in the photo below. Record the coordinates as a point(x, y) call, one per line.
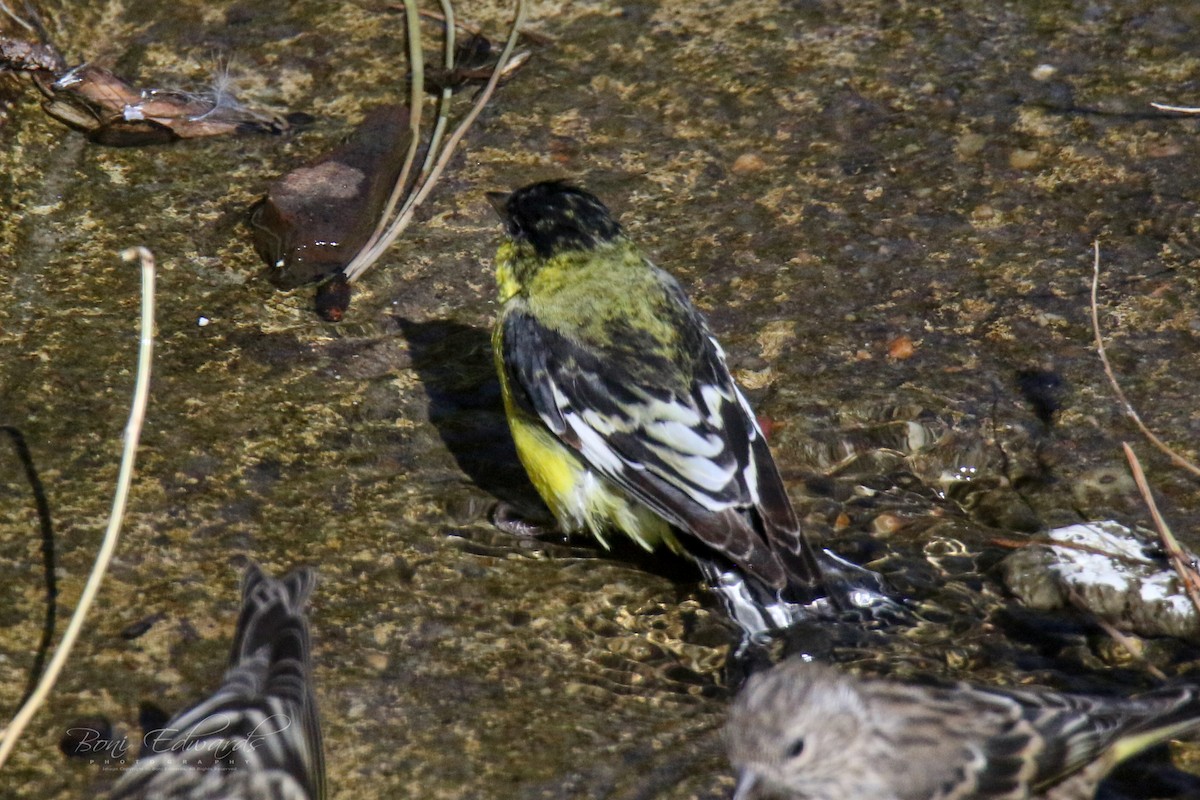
point(554, 216)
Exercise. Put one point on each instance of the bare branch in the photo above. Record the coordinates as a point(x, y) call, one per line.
point(1184, 565)
point(1176, 459)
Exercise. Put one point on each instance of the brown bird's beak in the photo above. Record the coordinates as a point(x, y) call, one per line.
point(499, 201)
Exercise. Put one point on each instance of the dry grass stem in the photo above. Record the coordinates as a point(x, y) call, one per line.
point(416, 98)
point(108, 546)
point(1176, 109)
point(4, 7)
point(438, 154)
point(1184, 565)
point(1120, 638)
point(1018, 544)
point(1175, 457)
point(475, 30)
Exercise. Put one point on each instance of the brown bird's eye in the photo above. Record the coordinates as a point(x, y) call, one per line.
point(796, 748)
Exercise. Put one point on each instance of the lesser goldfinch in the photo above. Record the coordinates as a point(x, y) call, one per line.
point(806, 730)
point(257, 737)
point(620, 403)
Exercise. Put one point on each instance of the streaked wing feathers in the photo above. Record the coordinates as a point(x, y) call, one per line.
point(1051, 737)
point(693, 455)
point(258, 735)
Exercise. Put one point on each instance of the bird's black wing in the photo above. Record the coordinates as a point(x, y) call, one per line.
point(692, 452)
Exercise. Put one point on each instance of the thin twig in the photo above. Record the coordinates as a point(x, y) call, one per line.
point(27, 26)
point(133, 431)
point(1177, 109)
point(416, 101)
point(1184, 565)
point(1177, 459)
point(443, 117)
point(380, 242)
point(1017, 544)
point(475, 30)
point(452, 143)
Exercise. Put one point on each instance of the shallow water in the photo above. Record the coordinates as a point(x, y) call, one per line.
point(823, 180)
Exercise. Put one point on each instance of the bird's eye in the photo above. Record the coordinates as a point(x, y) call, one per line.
point(796, 748)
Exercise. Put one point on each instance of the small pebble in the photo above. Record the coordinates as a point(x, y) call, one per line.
point(887, 523)
point(1043, 72)
point(1023, 159)
point(748, 164)
point(901, 348)
point(970, 144)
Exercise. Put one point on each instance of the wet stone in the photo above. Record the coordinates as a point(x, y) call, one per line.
point(1106, 569)
point(315, 219)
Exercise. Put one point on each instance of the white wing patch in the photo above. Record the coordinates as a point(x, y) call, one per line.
point(662, 411)
point(595, 449)
point(681, 437)
point(751, 472)
point(713, 399)
point(754, 430)
point(704, 472)
point(696, 462)
point(750, 475)
point(601, 423)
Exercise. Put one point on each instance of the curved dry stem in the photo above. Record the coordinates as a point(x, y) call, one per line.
point(108, 546)
point(443, 117)
point(1176, 459)
point(1176, 109)
point(1132, 646)
point(416, 58)
point(27, 26)
point(482, 100)
point(375, 248)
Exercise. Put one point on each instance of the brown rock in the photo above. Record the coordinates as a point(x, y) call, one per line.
point(315, 219)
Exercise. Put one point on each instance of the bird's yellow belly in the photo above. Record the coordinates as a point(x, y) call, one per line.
point(580, 498)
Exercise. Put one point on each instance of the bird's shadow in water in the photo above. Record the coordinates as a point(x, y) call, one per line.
point(455, 366)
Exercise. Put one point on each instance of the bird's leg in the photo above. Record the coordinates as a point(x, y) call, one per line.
point(509, 519)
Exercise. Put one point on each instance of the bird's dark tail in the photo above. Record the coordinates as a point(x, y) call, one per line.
point(760, 611)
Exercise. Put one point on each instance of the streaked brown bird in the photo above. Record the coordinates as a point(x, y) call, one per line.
point(258, 737)
point(807, 730)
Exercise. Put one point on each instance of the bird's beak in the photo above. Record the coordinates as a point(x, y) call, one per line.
point(745, 785)
point(499, 201)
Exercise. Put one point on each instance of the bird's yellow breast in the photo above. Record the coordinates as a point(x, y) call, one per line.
point(580, 499)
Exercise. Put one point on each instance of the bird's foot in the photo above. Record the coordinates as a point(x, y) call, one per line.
point(508, 519)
